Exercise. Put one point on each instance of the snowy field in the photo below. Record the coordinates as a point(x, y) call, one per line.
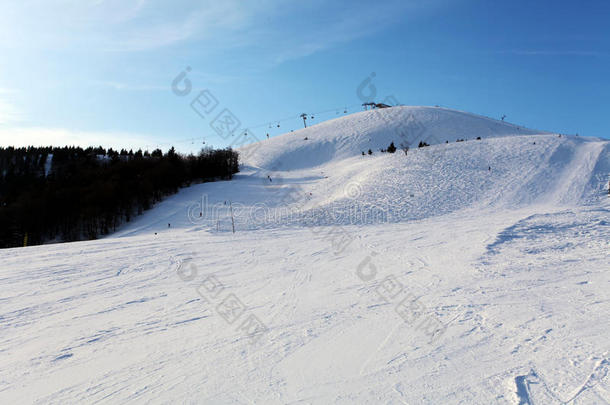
point(464, 272)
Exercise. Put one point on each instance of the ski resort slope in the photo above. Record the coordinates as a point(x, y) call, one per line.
point(462, 272)
point(374, 129)
point(290, 182)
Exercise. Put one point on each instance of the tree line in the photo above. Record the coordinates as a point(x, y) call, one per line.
point(58, 194)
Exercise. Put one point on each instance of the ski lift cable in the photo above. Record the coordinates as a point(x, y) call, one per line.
point(295, 117)
point(270, 123)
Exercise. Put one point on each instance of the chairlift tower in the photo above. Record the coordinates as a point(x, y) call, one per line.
point(304, 116)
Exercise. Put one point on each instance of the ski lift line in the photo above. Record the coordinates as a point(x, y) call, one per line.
point(272, 123)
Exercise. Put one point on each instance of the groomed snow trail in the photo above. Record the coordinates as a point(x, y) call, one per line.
point(575, 178)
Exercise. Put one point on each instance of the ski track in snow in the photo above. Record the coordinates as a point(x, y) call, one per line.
point(513, 260)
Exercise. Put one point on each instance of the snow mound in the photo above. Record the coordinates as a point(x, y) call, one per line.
point(374, 129)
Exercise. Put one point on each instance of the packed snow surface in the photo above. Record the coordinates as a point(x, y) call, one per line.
point(461, 272)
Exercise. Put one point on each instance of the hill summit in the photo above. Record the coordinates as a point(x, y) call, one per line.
point(374, 129)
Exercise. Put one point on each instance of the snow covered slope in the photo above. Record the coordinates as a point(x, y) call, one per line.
point(288, 181)
point(374, 129)
point(466, 272)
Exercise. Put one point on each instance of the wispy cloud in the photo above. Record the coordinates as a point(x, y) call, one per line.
point(543, 52)
point(9, 113)
point(294, 35)
point(115, 25)
point(290, 28)
point(122, 86)
point(40, 136)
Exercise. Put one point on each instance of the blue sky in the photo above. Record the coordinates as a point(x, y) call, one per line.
point(100, 72)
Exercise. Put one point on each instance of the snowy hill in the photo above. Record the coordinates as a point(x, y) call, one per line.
point(290, 182)
point(463, 272)
point(374, 129)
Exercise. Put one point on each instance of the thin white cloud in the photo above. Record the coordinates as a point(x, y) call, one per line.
point(38, 136)
point(129, 86)
point(9, 113)
point(116, 25)
point(319, 25)
point(290, 28)
point(542, 52)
